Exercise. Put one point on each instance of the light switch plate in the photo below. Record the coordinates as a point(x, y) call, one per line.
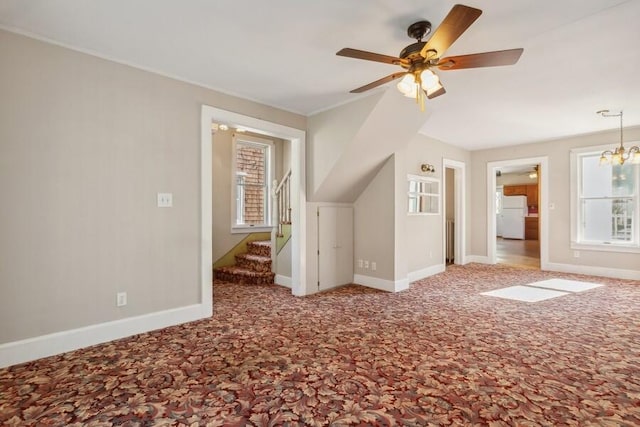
point(121, 299)
point(165, 200)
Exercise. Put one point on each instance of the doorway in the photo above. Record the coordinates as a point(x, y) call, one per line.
point(298, 199)
point(454, 219)
point(526, 241)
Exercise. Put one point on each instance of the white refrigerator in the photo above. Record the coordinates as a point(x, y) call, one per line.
point(514, 209)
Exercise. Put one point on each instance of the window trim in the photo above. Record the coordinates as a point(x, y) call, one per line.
point(438, 195)
point(576, 217)
point(267, 226)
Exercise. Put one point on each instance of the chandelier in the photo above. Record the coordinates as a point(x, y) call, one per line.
point(620, 154)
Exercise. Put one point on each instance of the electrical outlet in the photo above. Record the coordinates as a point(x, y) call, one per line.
point(366, 264)
point(360, 263)
point(165, 200)
point(121, 299)
point(373, 266)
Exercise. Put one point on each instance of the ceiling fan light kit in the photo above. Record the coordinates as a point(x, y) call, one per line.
point(420, 58)
point(619, 155)
point(418, 85)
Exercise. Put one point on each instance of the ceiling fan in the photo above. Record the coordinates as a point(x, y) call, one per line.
point(419, 58)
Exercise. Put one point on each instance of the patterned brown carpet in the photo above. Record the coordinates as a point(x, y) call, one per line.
point(437, 354)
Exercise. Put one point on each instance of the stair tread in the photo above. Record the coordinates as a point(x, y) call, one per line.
point(251, 267)
point(254, 257)
point(245, 271)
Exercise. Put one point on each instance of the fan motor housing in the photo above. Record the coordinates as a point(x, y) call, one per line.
point(417, 30)
point(412, 52)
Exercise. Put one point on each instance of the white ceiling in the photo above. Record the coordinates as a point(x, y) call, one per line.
point(580, 56)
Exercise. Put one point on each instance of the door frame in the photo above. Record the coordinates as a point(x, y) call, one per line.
point(543, 206)
point(460, 215)
point(210, 115)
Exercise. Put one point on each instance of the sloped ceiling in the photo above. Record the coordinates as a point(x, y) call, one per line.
point(580, 55)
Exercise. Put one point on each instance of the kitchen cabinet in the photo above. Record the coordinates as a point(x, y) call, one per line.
point(515, 190)
point(531, 228)
point(532, 195)
point(530, 190)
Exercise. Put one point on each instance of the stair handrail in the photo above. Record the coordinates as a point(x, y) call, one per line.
point(286, 177)
point(282, 194)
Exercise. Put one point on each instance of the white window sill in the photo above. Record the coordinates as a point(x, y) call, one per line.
point(244, 229)
point(606, 247)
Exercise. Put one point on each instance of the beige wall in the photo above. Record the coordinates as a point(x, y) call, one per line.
point(355, 161)
point(329, 133)
point(399, 243)
point(283, 260)
point(559, 220)
point(373, 224)
point(423, 234)
point(85, 145)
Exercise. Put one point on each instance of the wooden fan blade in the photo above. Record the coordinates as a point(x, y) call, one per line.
point(457, 21)
point(369, 56)
point(437, 91)
point(379, 82)
point(477, 60)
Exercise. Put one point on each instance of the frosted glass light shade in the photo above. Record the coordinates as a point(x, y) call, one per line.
point(429, 79)
point(407, 85)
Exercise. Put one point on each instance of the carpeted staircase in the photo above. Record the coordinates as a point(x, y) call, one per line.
point(253, 267)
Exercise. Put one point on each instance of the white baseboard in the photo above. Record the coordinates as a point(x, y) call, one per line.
point(617, 273)
point(16, 352)
point(283, 280)
point(477, 258)
point(425, 272)
point(382, 284)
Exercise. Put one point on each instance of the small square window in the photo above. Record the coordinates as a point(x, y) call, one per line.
point(423, 195)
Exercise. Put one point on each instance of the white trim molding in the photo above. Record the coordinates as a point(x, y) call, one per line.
point(381, 284)
point(480, 259)
point(298, 186)
point(577, 239)
point(617, 273)
point(425, 272)
point(60, 342)
point(460, 214)
point(283, 280)
point(543, 205)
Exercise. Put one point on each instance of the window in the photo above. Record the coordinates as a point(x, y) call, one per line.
point(605, 203)
point(424, 195)
point(252, 184)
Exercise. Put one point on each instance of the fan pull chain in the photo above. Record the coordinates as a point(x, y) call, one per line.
point(419, 92)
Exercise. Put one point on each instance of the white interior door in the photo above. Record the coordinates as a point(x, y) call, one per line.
point(335, 246)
